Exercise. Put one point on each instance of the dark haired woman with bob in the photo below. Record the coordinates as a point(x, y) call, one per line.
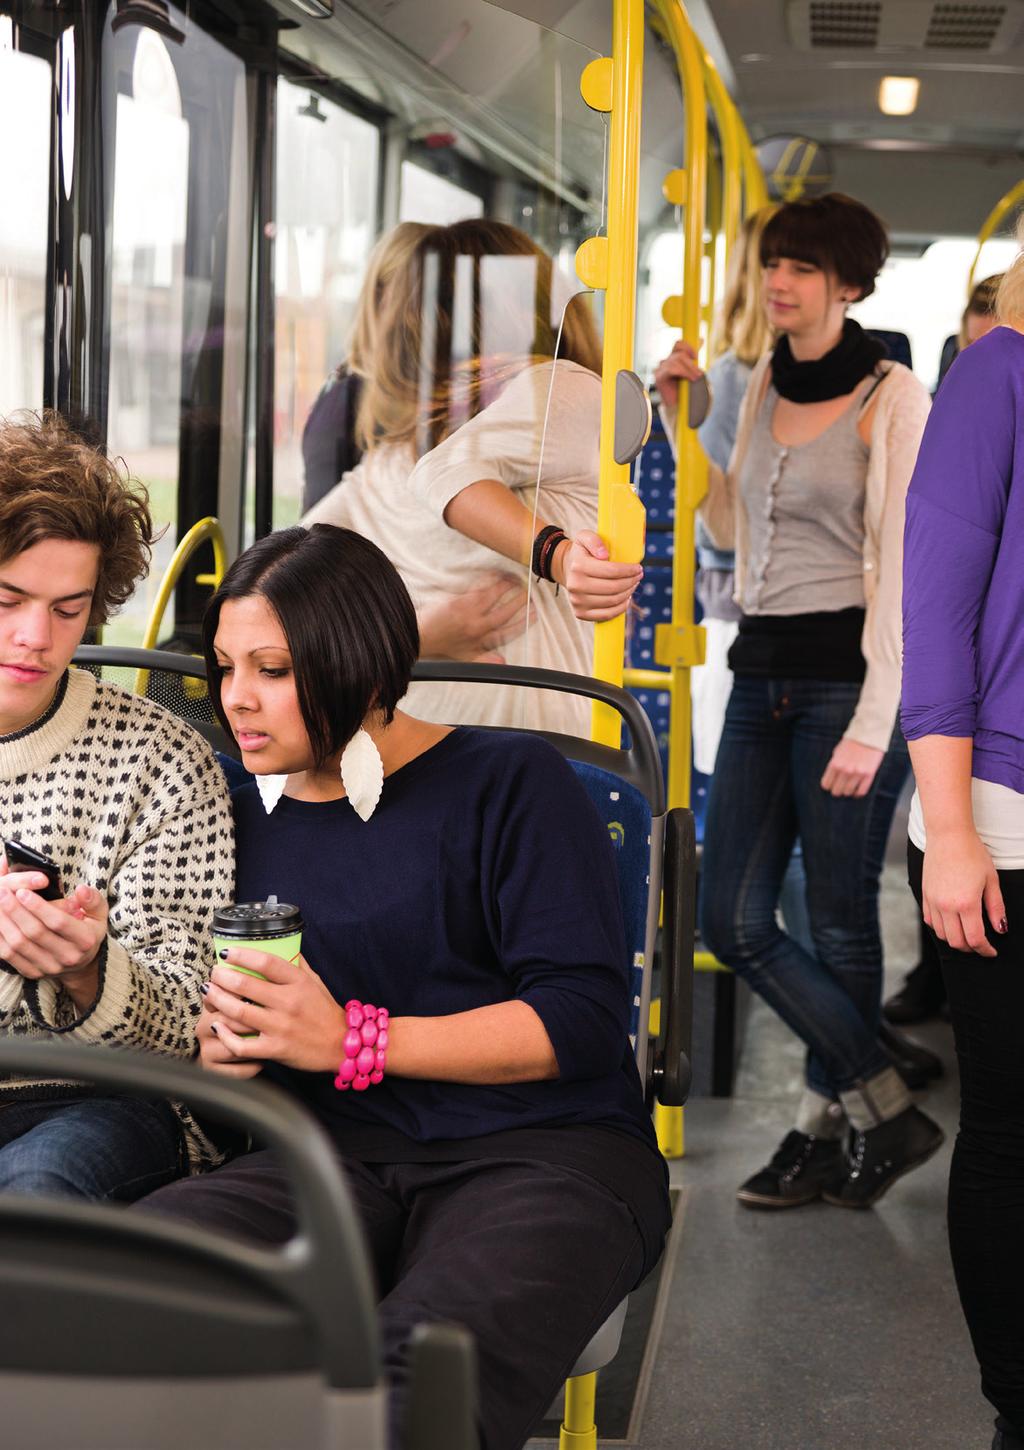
point(496, 1139)
point(813, 501)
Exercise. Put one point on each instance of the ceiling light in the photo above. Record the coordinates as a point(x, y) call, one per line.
point(897, 95)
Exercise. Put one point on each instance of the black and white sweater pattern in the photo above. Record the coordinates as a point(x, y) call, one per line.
point(130, 800)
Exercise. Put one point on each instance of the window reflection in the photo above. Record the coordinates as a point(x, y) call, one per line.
point(326, 214)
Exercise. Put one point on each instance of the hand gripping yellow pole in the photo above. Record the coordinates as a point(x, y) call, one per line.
point(614, 84)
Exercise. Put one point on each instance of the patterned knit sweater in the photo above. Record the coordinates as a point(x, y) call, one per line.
point(126, 798)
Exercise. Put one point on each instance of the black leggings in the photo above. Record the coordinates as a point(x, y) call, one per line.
point(529, 1256)
point(986, 1181)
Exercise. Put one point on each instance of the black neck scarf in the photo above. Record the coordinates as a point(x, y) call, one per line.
point(854, 356)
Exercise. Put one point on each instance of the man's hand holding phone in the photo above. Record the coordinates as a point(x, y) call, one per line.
point(59, 938)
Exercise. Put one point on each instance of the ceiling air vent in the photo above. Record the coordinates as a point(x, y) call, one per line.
point(905, 25)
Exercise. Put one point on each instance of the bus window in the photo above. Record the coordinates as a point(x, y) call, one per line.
point(26, 87)
point(427, 197)
point(924, 296)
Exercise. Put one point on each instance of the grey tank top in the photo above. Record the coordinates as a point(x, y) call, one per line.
point(805, 515)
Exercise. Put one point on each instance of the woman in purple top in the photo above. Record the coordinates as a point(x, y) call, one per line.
point(963, 714)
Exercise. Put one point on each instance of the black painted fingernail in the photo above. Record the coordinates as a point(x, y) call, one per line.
point(213, 1028)
point(1002, 925)
point(223, 955)
point(205, 988)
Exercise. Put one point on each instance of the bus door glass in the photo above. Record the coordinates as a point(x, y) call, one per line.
point(26, 99)
point(179, 219)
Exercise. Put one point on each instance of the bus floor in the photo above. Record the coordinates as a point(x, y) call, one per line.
point(817, 1328)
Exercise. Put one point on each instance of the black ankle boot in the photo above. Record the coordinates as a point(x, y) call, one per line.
point(916, 1065)
point(801, 1166)
point(1006, 1437)
point(873, 1161)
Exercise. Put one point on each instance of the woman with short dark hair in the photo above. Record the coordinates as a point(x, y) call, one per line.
point(812, 501)
point(496, 1142)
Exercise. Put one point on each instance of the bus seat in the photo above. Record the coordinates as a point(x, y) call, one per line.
point(950, 348)
point(653, 846)
point(897, 344)
point(124, 1329)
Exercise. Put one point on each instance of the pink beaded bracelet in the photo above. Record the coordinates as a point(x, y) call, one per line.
point(365, 1047)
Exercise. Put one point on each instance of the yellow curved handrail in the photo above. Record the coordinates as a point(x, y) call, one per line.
point(615, 84)
point(728, 121)
point(207, 529)
point(1001, 209)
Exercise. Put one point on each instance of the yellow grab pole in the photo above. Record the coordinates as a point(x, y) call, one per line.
point(615, 84)
point(680, 645)
point(755, 187)
point(198, 534)
point(732, 158)
point(1001, 209)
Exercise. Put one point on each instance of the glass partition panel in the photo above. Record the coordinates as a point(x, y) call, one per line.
point(327, 175)
point(474, 358)
point(26, 100)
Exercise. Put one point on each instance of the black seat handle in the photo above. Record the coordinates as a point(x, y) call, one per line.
point(323, 1269)
point(671, 1066)
point(638, 762)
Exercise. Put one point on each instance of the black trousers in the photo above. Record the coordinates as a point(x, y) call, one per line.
point(531, 1257)
point(986, 1181)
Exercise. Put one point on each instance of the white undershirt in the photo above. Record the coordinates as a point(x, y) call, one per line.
point(998, 819)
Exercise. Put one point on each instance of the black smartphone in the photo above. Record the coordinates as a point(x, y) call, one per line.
point(22, 858)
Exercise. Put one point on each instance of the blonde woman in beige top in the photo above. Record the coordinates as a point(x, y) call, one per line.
point(481, 420)
point(813, 502)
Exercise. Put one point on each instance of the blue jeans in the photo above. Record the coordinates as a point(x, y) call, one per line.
point(94, 1148)
point(778, 738)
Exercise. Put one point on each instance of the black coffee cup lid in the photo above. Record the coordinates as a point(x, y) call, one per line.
point(257, 918)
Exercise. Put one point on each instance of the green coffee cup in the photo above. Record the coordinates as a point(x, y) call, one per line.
point(263, 926)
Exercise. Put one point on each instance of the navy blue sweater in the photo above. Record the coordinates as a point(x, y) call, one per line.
point(485, 875)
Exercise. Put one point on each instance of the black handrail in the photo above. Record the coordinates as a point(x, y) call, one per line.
point(639, 763)
point(671, 1070)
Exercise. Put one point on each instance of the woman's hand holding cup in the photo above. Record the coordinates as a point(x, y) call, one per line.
point(298, 1022)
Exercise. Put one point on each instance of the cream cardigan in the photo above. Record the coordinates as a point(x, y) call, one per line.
point(901, 406)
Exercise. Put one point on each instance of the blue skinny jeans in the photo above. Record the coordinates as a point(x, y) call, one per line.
point(778, 738)
point(91, 1148)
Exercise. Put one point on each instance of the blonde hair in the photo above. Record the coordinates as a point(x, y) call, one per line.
point(434, 372)
point(390, 256)
point(981, 303)
point(741, 324)
point(1010, 297)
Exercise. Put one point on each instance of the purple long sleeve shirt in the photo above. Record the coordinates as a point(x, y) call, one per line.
point(963, 563)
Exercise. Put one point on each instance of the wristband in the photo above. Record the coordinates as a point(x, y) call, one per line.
point(365, 1047)
point(544, 546)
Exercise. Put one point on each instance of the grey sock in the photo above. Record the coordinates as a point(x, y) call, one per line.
point(821, 1116)
point(875, 1101)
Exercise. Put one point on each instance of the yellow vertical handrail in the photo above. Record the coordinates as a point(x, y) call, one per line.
point(614, 84)
point(1001, 210)
point(680, 645)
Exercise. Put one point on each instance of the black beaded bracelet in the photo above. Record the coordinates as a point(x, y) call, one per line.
point(544, 546)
